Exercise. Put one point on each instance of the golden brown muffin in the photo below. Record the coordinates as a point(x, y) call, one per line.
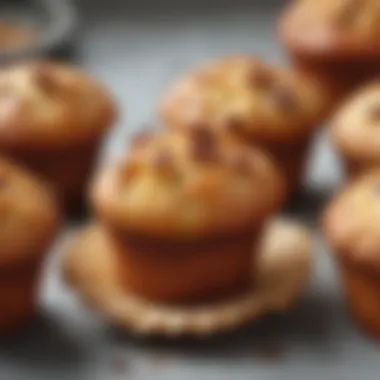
point(336, 40)
point(352, 229)
point(185, 210)
point(28, 223)
point(52, 120)
point(354, 130)
point(14, 35)
point(260, 103)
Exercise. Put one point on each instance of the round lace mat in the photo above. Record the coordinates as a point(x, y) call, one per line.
point(91, 269)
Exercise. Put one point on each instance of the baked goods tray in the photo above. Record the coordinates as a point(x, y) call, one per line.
point(138, 51)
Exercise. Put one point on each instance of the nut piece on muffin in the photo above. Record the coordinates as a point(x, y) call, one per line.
point(28, 223)
point(185, 210)
point(52, 120)
point(336, 40)
point(355, 131)
point(259, 103)
point(352, 229)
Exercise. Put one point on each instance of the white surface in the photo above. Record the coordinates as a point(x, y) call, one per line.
point(138, 50)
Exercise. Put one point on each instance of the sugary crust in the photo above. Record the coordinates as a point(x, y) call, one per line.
point(247, 97)
point(29, 216)
point(90, 266)
point(46, 105)
point(187, 185)
point(355, 128)
point(344, 29)
point(352, 222)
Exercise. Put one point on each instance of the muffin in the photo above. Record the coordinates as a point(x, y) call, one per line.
point(354, 130)
point(52, 120)
point(352, 229)
point(28, 223)
point(184, 211)
point(338, 41)
point(259, 103)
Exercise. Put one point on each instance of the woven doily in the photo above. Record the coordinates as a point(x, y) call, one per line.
point(284, 265)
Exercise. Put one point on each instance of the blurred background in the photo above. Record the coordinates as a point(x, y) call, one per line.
point(138, 47)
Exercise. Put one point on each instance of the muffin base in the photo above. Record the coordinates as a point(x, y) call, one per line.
point(18, 293)
point(363, 294)
point(68, 171)
point(170, 270)
point(283, 267)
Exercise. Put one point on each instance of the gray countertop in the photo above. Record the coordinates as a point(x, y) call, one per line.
point(138, 48)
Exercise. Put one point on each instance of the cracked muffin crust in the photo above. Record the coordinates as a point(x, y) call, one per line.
point(52, 118)
point(185, 210)
point(187, 185)
point(258, 102)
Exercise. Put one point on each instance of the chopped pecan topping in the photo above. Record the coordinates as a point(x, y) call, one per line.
point(203, 144)
point(260, 77)
point(233, 124)
point(240, 164)
point(283, 99)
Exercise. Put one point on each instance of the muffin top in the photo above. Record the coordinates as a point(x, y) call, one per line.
point(343, 28)
point(29, 216)
point(187, 185)
point(45, 105)
point(352, 220)
point(246, 97)
point(355, 128)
